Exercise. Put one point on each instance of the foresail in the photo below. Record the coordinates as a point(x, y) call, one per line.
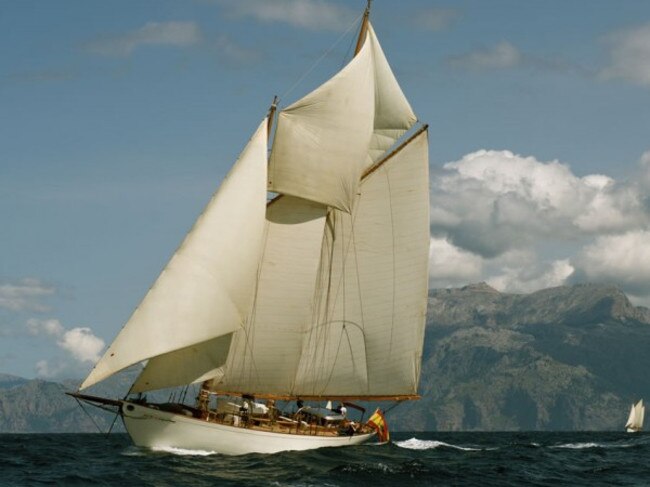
point(367, 330)
point(321, 143)
point(188, 365)
point(393, 113)
point(206, 288)
point(265, 352)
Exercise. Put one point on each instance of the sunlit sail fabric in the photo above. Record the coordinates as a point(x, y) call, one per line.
point(206, 288)
point(189, 365)
point(265, 353)
point(321, 143)
point(368, 326)
point(393, 113)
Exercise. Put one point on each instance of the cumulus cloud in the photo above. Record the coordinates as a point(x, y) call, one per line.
point(521, 224)
point(502, 55)
point(629, 52)
point(46, 370)
point(24, 295)
point(48, 327)
point(306, 14)
point(435, 19)
point(623, 260)
point(449, 265)
point(490, 202)
point(538, 275)
point(82, 344)
point(179, 34)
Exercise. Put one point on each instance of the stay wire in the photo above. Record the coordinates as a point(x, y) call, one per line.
point(88, 414)
point(318, 61)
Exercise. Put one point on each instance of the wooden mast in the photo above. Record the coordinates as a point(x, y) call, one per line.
point(270, 116)
point(364, 29)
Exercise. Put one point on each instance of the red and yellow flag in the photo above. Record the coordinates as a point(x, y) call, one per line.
point(379, 424)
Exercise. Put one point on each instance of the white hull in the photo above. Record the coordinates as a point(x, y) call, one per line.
point(633, 430)
point(152, 428)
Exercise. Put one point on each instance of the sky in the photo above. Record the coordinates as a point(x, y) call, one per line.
point(119, 119)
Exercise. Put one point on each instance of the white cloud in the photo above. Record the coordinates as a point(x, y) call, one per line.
point(24, 295)
point(529, 278)
point(623, 260)
point(629, 52)
point(450, 266)
point(82, 344)
point(490, 202)
point(435, 19)
point(307, 14)
point(180, 34)
point(51, 327)
point(502, 55)
point(232, 52)
point(46, 370)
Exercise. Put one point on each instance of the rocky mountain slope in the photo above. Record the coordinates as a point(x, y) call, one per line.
point(565, 358)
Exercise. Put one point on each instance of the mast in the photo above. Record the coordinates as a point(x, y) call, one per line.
point(364, 28)
point(270, 116)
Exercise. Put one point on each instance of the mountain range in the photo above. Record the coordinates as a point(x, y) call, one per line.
point(563, 358)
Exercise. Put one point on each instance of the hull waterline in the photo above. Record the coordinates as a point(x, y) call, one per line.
point(152, 428)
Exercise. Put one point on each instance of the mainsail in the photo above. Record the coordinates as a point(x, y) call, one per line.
point(320, 293)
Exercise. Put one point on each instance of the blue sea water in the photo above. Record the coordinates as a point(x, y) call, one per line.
point(411, 459)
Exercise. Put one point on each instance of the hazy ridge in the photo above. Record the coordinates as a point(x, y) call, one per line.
point(564, 358)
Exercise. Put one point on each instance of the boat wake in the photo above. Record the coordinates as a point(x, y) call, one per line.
point(416, 444)
point(183, 452)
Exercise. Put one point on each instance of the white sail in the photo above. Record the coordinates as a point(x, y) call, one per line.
point(630, 418)
point(188, 365)
point(640, 414)
point(321, 143)
point(206, 289)
point(393, 113)
point(321, 140)
point(636, 417)
point(367, 331)
point(265, 353)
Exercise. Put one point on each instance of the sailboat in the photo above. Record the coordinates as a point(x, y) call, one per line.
point(301, 290)
point(635, 419)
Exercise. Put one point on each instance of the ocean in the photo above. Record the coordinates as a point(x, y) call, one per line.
point(411, 459)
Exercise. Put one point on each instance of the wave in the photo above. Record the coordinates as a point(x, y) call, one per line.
point(591, 444)
point(416, 444)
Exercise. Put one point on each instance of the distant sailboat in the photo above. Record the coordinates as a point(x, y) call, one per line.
point(318, 295)
point(635, 419)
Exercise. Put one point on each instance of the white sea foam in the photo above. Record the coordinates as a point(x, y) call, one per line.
point(183, 451)
point(415, 444)
point(580, 446)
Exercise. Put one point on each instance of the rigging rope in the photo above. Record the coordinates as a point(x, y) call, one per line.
point(88, 414)
point(318, 61)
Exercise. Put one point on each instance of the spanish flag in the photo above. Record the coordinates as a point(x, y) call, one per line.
point(379, 424)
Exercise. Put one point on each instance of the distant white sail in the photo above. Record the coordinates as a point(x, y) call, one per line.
point(636, 417)
point(206, 289)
